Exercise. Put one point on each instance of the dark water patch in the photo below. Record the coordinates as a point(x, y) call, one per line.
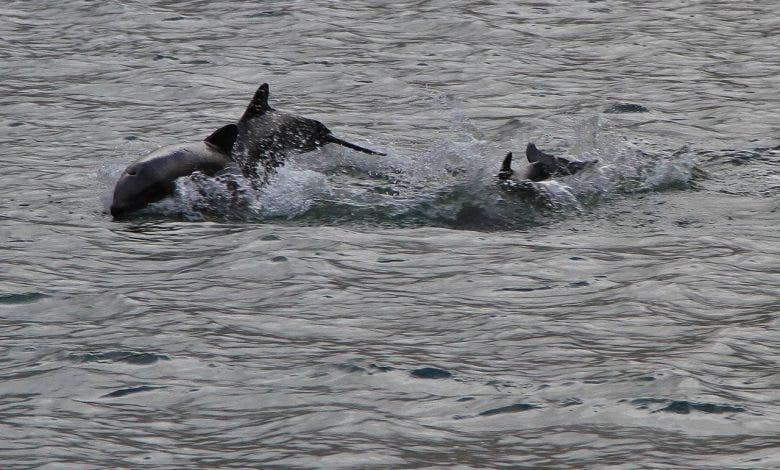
point(21, 298)
point(734, 157)
point(370, 369)
point(515, 408)
point(644, 403)
point(351, 368)
point(684, 406)
point(500, 384)
point(523, 289)
point(268, 14)
point(268, 238)
point(390, 260)
point(688, 222)
point(129, 391)
point(579, 284)
point(431, 373)
point(278, 259)
point(571, 402)
point(623, 108)
point(128, 357)
point(380, 368)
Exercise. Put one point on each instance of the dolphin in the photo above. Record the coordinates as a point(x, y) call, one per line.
point(153, 177)
point(542, 165)
point(266, 135)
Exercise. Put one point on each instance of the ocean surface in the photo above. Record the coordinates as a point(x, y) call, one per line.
point(405, 311)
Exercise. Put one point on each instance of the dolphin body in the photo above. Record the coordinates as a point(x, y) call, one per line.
point(542, 166)
point(266, 136)
point(260, 139)
point(154, 176)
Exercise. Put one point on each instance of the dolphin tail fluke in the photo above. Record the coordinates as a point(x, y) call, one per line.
point(335, 140)
point(506, 168)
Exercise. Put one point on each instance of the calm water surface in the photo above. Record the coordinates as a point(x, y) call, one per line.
point(400, 311)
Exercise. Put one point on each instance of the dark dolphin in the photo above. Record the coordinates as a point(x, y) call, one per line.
point(154, 176)
point(266, 135)
point(542, 165)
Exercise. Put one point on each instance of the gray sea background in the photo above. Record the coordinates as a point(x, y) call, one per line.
point(401, 311)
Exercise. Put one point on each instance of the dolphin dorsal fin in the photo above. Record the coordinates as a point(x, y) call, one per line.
point(534, 155)
point(259, 103)
point(506, 168)
point(224, 138)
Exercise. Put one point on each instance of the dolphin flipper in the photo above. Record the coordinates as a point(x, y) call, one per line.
point(506, 171)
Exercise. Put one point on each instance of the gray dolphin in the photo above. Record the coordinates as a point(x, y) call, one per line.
point(153, 177)
point(266, 135)
point(542, 165)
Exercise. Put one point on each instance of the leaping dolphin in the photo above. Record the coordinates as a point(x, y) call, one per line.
point(262, 137)
point(266, 135)
point(153, 177)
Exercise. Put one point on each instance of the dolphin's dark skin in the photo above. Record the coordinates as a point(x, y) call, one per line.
point(542, 165)
point(154, 176)
point(266, 135)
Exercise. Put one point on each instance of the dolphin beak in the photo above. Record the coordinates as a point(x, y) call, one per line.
point(123, 195)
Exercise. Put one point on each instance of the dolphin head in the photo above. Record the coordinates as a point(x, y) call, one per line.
point(154, 177)
point(138, 186)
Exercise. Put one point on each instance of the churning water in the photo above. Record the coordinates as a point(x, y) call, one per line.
point(402, 311)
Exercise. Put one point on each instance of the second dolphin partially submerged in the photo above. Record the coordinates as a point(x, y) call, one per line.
point(542, 166)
